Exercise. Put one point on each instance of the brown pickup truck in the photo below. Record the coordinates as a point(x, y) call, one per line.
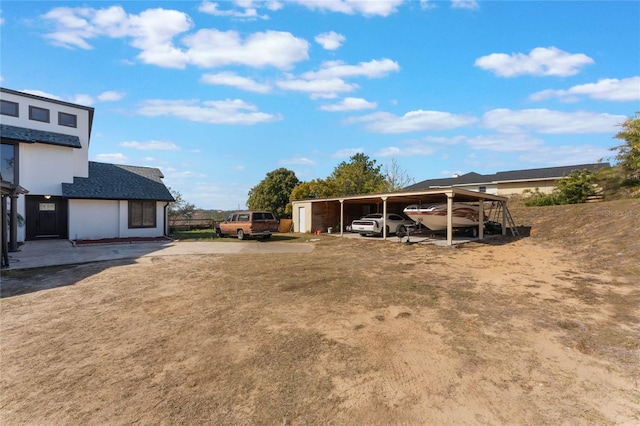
point(248, 224)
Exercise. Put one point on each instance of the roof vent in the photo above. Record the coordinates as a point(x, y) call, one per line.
point(455, 175)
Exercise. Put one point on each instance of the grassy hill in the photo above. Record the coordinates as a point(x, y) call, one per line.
point(606, 233)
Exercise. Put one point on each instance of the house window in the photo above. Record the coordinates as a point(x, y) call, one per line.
point(69, 120)
point(9, 108)
point(8, 163)
point(142, 214)
point(38, 114)
point(482, 189)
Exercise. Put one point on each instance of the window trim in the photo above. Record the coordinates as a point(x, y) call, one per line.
point(34, 108)
point(15, 104)
point(66, 114)
point(137, 224)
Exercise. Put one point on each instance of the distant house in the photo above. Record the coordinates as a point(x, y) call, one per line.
point(509, 182)
point(45, 156)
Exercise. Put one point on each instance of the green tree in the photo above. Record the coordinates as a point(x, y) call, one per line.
point(314, 189)
point(180, 208)
point(273, 192)
point(359, 176)
point(629, 152)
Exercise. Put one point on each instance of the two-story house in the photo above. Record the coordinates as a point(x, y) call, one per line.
point(49, 182)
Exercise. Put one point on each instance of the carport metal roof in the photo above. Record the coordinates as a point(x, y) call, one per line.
point(417, 197)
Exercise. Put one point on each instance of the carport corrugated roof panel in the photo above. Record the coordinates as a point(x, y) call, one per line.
point(416, 196)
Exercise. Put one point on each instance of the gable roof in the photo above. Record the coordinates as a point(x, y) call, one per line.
point(118, 182)
point(22, 134)
point(548, 173)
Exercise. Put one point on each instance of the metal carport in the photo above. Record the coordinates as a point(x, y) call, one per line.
point(340, 211)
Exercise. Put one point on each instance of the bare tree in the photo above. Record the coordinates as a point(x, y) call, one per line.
point(396, 179)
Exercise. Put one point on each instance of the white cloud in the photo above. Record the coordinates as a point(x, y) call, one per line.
point(347, 152)
point(413, 121)
point(548, 121)
point(111, 96)
point(608, 89)
point(505, 142)
point(541, 61)
point(211, 48)
point(465, 4)
point(330, 40)
point(153, 32)
point(297, 161)
point(352, 7)
point(408, 149)
point(151, 145)
point(328, 81)
point(82, 99)
point(230, 111)
point(350, 104)
point(338, 69)
point(565, 155)
point(443, 140)
point(427, 4)
point(318, 88)
point(41, 93)
point(246, 13)
point(115, 158)
point(234, 80)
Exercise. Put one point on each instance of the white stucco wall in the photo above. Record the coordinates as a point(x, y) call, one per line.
point(78, 163)
point(93, 219)
point(96, 219)
point(43, 168)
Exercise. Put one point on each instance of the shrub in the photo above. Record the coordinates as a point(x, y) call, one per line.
point(572, 189)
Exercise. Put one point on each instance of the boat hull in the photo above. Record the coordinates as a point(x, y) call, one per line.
point(434, 216)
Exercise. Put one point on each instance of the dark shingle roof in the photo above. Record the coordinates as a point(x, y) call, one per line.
point(468, 178)
point(546, 173)
point(508, 176)
point(117, 182)
point(22, 134)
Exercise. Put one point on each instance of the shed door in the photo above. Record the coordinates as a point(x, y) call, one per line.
point(302, 217)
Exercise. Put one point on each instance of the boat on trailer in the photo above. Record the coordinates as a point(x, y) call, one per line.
point(434, 216)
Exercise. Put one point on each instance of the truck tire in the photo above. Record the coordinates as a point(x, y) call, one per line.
point(241, 234)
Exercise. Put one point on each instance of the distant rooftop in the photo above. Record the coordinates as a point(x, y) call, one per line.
point(547, 173)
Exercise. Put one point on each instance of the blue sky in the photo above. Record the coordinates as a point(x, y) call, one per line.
point(218, 94)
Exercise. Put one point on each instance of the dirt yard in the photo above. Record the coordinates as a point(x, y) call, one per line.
point(538, 330)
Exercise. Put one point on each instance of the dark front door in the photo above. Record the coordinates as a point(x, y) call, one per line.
point(46, 217)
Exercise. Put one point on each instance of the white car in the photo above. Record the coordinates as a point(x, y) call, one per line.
point(372, 224)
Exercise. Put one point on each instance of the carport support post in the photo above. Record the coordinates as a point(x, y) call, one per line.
point(13, 231)
point(481, 219)
point(384, 218)
point(449, 219)
point(342, 217)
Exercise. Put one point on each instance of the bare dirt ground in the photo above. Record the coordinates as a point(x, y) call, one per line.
point(538, 330)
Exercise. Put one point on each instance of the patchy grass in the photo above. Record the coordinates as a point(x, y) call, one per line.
point(539, 330)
